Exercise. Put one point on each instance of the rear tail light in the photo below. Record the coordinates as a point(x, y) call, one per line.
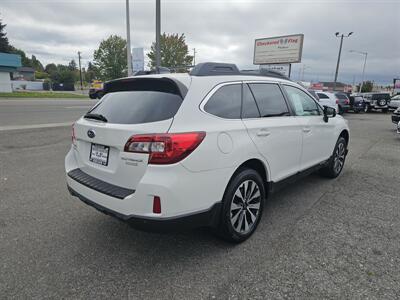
point(73, 136)
point(165, 148)
point(346, 101)
point(337, 101)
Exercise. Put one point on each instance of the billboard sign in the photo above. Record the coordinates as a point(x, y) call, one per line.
point(137, 59)
point(278, 50)
point(281, 68)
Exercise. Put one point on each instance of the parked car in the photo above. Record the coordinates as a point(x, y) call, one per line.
point(171, 151)
point(343, 102)
point(357, 103)
point(398, 127)
point(394, 102)
point(96, 89)
point(396, 116)
point(328, 99)
point(378, 101)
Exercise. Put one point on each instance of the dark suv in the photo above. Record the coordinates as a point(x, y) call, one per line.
point(377, 101)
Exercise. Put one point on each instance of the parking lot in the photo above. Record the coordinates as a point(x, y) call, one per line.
point(318, 238)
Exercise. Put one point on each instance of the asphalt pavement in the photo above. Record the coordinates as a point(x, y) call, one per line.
point(29, 112)
point(318, 238)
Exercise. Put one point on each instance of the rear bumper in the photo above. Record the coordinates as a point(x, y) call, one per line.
point(379, 107)
point(206, 218)
point(345, 107)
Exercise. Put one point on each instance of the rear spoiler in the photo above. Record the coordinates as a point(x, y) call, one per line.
point(159, 84)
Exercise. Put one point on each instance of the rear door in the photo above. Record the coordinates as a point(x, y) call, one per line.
point(318, 136)
point(274, 131)
point(137, 108)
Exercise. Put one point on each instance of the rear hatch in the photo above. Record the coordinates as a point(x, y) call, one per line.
point(343, 99)
point(130, 106)
point(381, 99)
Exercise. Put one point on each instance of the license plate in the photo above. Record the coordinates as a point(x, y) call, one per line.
point(99, 154)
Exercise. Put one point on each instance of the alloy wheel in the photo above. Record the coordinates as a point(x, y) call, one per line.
point(339, 158)
point(245, 207)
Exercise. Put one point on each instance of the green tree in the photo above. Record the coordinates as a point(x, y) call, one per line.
point(91, 73)
point(174, 52)
point(110, 58)
point(72, 65)
point(41, 75)
point(36, 64)
point(367, 87)
point(4, 45)
point(50, 68)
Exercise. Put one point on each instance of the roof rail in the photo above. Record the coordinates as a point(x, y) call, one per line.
point(213, 69)
point(264, 72)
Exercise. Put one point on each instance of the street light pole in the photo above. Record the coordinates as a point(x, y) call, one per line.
point(80, 69)
point(340, 53)
point(158, 32)
point(365, 63)
point(128, 40)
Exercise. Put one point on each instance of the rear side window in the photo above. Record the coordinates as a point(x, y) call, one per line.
point(134, 107)
point(322, 96)
point(226, 102)
point(250, 109)
point(270, 100)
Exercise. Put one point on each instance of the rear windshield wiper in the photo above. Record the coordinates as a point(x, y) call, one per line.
point(95, 117)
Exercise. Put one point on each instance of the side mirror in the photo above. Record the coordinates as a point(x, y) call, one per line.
point(329, 112)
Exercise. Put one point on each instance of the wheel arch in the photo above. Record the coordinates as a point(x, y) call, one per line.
point(345, 134)
point(257, 165)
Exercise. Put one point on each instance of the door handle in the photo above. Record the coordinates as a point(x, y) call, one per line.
point(263, 132)
point(306, 129)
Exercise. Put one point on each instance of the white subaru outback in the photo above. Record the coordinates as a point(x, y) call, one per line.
point(206, 148)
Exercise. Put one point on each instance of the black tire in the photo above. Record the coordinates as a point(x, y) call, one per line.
point(385, 110)
point(332, 169)
point(93, 96)
point(235, 214)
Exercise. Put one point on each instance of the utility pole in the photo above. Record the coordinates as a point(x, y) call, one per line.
point(128, 40)
point(337, 34)
point(158, 32)
point(194, 56)
point(80, 69)
point(365, 63)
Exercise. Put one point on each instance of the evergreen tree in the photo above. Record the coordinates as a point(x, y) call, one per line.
point(4, 45)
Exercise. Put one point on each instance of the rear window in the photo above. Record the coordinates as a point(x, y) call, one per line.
point(322, 96)
point(341, 96)
point(134, 107)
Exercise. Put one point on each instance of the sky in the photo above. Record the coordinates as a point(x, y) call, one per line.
point(220, 30)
